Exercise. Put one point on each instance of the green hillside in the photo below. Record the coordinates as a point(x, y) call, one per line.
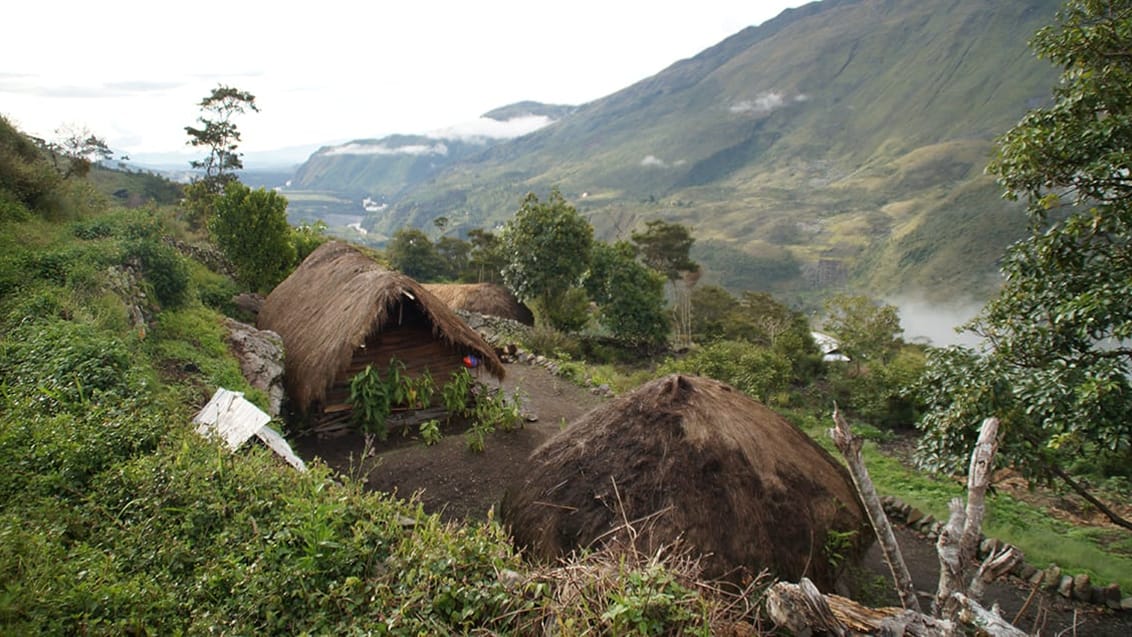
point(850, 135)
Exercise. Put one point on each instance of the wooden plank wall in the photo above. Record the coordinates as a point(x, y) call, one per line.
point(412, 343)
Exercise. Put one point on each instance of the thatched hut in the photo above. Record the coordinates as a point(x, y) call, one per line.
point(482, 298)
point(693, 459)
point(340, 310)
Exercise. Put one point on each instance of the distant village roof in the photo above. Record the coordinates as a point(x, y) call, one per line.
point(482, 298)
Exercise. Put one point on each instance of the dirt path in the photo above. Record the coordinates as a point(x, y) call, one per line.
point(449, 479)
point(458, 484)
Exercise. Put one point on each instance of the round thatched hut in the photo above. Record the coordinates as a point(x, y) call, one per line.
point(482, 298)
point(693, 459)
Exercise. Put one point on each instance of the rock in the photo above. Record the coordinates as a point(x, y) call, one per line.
point(1126, 603)
point(1051, 576)
point(886, 502)
point(925, 523)
point(1027, 572)
point(913, 516)
point(905, 511)
point(260, 353)
point(1082, 587)
point(248, 302)
point(1036, 578)
point(1110, 596)
point(1065, 586)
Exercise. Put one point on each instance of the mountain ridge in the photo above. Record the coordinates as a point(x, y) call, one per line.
point(828, 136)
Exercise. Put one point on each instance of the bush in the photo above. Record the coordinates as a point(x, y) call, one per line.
point(754, 370)
point(164, 268)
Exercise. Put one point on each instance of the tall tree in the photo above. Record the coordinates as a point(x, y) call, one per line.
point(868, 331)
point(665, 248)
point(629, 295)
point(250, 227)
point(486, 259)
point(78, 148)
point(547, 244)
point(219, 134)
point(411, 252)
point(1059, 359)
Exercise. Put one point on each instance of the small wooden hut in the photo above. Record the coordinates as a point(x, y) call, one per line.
point(691, 459)
point(340, 310)
point(483, 298)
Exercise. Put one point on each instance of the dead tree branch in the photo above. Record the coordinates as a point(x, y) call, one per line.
point(850, 447)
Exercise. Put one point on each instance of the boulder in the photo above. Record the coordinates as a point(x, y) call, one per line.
point(1082, 588)
point(260, 353)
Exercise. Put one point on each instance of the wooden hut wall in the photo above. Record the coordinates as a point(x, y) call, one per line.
point(409, 338)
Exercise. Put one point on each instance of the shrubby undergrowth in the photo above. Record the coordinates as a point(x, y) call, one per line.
point(115, 518)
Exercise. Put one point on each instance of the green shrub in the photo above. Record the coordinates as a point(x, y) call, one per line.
point(754, 370)
point(164, 268)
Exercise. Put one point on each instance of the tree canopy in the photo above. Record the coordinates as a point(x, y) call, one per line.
point(547, 246)
point(629, 295)
point(1058, 359)
point(250, 227)
point(220, 135)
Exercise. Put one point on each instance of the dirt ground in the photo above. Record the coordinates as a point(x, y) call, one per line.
point(459, 484)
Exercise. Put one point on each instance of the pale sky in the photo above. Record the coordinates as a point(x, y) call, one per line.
point(322, 71)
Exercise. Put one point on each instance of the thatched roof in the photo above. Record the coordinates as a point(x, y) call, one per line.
point(335, 299)
point(694, 459)
point(482, 298)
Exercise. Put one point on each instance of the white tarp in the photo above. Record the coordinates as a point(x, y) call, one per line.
point(234, 419)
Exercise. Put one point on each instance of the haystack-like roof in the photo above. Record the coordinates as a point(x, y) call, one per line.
point(335, 299)
point(482, 298)
point(691, 458)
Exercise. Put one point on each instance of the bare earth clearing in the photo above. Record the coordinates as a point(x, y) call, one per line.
point(459, 484)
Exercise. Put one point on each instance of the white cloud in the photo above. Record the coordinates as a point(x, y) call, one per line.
point(764, 103)
point(487, 128)
point(653, 160)
point(355, 148)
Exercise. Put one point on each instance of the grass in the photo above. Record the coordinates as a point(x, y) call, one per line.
point(1042, 538)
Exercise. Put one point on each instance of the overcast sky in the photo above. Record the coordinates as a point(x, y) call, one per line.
point(329, 70)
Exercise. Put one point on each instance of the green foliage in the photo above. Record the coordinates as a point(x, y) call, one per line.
point(371, 402)
point(164, 268)
point(1058, 372)
point(454, 255)
point(486, 258)
point(429, 431)
point(78, 148)
point(25, 175)
point(220, 136)
point(883, 392)
point(567, 312)
point(250, 227)
point(752, 369)
point(630, 296)
point(456, 394)
point(306, 238)
point(548, 247)
point(866, 330)
point(665, 246)
point(548, 341)
point(411, 252)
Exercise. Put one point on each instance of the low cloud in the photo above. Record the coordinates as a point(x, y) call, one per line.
point(486, 128)
point(653, 160)
point(934, 322)
point(765, 103)
point(355, 148)
point(22, 84)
